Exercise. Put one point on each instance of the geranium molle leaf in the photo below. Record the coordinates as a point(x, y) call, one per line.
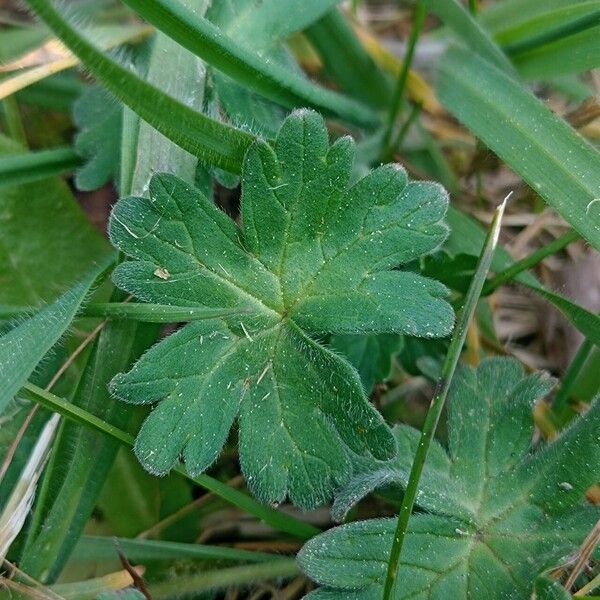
point(314, 256)
point(497, 512)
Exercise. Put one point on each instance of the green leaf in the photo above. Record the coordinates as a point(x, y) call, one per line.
point(277, 519)
point(370, 355)
point(201, 136)
point(24, 346)
point(314, 257)
point(521, 131)
point(499, 513)
point(573, 54)
point(145, 151)
point(99, 120)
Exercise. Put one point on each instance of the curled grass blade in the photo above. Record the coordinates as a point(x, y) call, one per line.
point(268, 78)
point(203, 137)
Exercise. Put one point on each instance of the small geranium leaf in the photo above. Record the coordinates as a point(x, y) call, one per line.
point(498, 510)
point(99, 119)
point(312, 256)
point(370, 355)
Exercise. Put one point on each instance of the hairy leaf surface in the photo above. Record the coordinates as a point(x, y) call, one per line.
point(371, 355)
point(496, 513)
point(313, 257)
point(99, 119)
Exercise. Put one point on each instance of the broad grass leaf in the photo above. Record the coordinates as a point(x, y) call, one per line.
point(26, 344)
point(497, 512)
point(314, 257)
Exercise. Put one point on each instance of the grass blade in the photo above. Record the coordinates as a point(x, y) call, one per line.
point(346, 60)
point(550, 156)
point(92, 548)
point(225, 577)
point(203, 137)
point(467, 233)
point(22, 348)
point(439, 398)
point(81, 457)
point(269, 79)
point(275, 518)
point(470, 32)
point(33, 166)
point(529, 261)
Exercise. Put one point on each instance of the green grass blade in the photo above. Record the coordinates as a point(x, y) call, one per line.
point(81, 458)
point(387, 149)
point(275, 518)
point(549, 38)
point(203, 137)
point(33, 166)
point(550, 156)
point(439, 398)
point(24, 346)
point(529, 261)
point(347, 62)
point(561, 31)
point(93, 548)
point(144, 151)
point(467, 233)
point(573, 54)
point(470, 32)
point(226, 577)
point(267, 78)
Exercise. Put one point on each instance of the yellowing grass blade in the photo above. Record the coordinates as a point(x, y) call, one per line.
point(52, 57)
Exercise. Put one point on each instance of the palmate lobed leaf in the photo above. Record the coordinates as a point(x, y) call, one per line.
point(499, 514)
point(314, 256)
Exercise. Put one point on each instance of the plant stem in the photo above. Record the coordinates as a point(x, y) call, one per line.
point(530, 261)
point(571, 375)
point(439, 398)
point(225, 577)
point(14, 124)
point(275, 518)
point(473, 7)
point(396, 103)
point(414, 113)
point(148, 313)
